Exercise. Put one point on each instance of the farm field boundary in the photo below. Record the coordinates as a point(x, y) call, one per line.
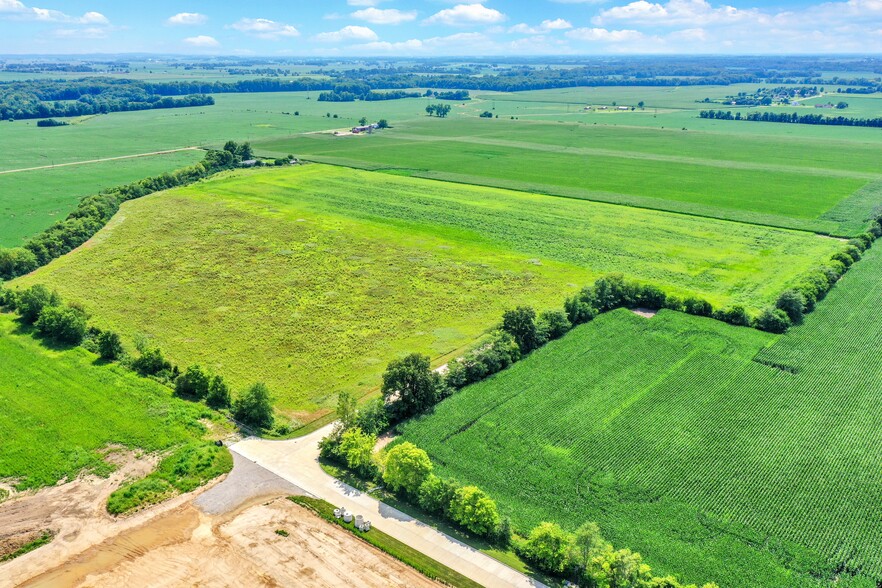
point(294, 239)
point(820, 227)
point(791, 199)
point(715, 459)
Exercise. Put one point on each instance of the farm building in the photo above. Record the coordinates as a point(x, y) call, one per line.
point(365, 128)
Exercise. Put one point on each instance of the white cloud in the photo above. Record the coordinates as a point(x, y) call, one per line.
point(604, 35)
point(348, 33)
point(466, 14)
point(678, 12)
point(187, 19)
point(18, 10)
point(12, 6)
point(82, 33)
point(202, 41)
point(410, 46)
point(545, 26)
point(266, 29)
point(391, 16)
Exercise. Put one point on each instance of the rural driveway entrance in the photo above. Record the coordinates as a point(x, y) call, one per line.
point(296, 460)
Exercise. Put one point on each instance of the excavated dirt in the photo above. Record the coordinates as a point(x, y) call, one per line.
point(187, 547)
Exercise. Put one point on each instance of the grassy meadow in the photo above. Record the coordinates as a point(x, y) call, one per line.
point(312, 278)
point(61, 408)
point(681, 441)
point(30, 201)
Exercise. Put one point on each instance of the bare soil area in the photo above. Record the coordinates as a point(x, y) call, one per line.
point(187, 547)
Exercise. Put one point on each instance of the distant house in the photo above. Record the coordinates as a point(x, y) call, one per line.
point(587, 108)
point(365, 128)
point(624, 108)
point(248, 163)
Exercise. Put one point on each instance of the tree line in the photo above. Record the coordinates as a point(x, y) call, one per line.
point(93, 212)
point(439, 110)
point(793, 118)
point(368, 95)
point(406, 470)
point(43, 99)
point(67, 324)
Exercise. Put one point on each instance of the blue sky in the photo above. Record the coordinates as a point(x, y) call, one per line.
point(439, 27)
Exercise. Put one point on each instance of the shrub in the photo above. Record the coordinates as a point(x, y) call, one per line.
point(218, 395)
point(548, 547)
point(698, 307)
point(772, 320)
point(436, 494)
point(475, 511)
point(649, 296)
point(357, 450)
point(407, 467)
point(410, 385)
point(853, 252)
point(16, 261)
point(674, 303)
point(193, 382)
point(613, 291)
point(843, 258)
point(31, 302)
point(580, 308)
point(492, 355)
point(734, 315)
point(66, 324)
point(554, 324)
point(151, 362)
point(372, 418)
point(520, 323)
point(110, 346)
point(792, 302)
point(254, 407)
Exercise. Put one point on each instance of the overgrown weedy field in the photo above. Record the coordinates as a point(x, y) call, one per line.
point(313, 278)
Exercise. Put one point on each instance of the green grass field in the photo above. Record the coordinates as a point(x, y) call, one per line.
point(780, 182)
point(681, 446)
point(59, 409)
point(313, 278)
point(30, 201)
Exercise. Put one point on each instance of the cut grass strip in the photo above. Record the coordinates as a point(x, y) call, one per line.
point(400, 551)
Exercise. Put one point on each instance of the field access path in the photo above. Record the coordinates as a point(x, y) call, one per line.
point(296, 461)
point(69, 163)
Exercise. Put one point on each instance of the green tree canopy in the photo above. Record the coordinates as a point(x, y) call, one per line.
point(548, 546)
point(475, 511)
point(218, 393)
point(254, 407)
point(32, 301)
point(410, 385)
point(407, 467)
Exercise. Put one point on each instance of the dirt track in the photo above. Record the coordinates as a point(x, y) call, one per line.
point(25, 169)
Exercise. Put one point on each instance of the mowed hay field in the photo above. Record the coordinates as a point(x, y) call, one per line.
point(682, 441)
point(312, 278)
point(59, 409)
point(30, 201)
point(785, 182)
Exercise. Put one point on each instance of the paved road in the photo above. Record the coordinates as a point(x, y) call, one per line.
point(247, 480)
point(296, 460)
point(24, 169)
